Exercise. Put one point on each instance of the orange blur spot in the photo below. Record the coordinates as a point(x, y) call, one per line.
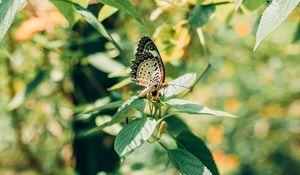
point(38, 24)
point(242, 28)
point(232, 105)
point(215, 134)
point(225, 162)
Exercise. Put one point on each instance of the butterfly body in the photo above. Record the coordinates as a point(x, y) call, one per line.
point(147, 68)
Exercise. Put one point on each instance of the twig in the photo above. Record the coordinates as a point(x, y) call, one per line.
point(202, 73)
point(220, 3)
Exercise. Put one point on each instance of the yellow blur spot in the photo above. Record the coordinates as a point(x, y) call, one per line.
point(272, 111)
point(173, 41)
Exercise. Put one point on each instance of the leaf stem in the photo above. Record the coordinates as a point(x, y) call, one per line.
point(166, 116)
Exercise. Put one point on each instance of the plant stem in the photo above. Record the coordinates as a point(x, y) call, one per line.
point(150, 107)
point(159, 111)
point(162, 145)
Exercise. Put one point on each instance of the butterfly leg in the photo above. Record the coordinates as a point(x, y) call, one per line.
point(144, 92)
point(156, 97)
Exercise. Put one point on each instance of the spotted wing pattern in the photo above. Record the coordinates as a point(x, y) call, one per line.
point(147, 68)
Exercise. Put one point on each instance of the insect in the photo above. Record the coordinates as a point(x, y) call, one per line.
point(162, 129)
point(147, 68)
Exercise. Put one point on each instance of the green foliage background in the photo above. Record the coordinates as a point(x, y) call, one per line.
point(65, 69)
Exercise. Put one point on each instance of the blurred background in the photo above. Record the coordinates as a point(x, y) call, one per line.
point(52, 69)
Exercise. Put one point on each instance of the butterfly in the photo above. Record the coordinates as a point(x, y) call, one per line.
point(147, 68)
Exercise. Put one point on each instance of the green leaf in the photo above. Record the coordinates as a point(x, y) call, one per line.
point(93, 21)
point(106, 11)
point(124, 5)
point(197, 147)
point(185, 162)
point(199, 2)
point(8, 11)
point(132, 103)
point(200, 15)
point(186, 106)
point(113, 129)
point(201, 39)
point(19, 98)
point(97, 110)
point(121, 114)
point(134, 135)
point(238, 3)
point(179, 85)
point(297, 34)
point(106, 64)
point(120, 84)
point(253, 4)
point(68, 10)
point(175, 125)
point(95, 130)
point(124, 73)
point(273, 16)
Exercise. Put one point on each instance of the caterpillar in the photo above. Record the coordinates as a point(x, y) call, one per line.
point(161, 129)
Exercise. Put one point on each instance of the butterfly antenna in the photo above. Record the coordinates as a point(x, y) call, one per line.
point(174, 85)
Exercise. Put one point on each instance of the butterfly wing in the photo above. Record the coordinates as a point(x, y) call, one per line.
point(147, 68)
